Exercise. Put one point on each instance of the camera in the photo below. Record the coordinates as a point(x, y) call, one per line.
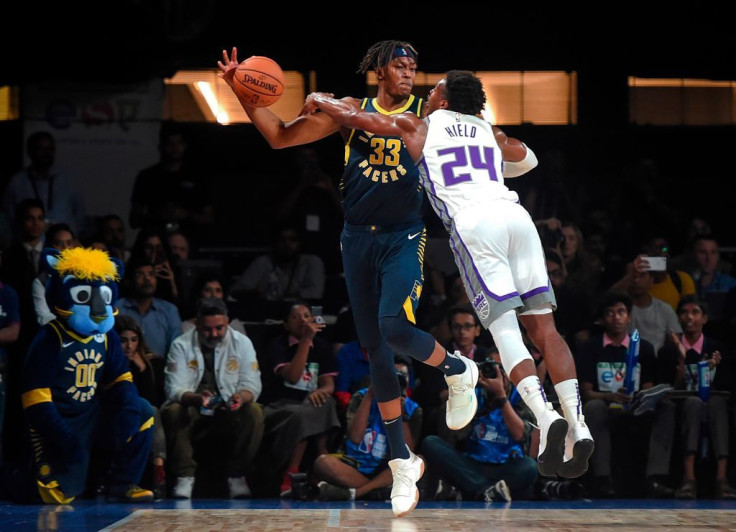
point(550, 238)
point(488, 368)
point(317, 313)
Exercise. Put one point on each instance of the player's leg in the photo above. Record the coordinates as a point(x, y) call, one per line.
point(363, 252)
point(401, 286)
point(528, 266)
point(483, 247)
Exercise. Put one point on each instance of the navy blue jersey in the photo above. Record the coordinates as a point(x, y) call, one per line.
point(380, 184)
point(68, 372)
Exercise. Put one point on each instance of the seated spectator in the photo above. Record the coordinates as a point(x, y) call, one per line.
point(602, 369)
point(151, 244)
point(300, 406)
point(21, 263)
point(354, 373)
point(431, 390)
point(111, 231)
point(361, 470)
point(147, 375)
point(654, 318)
point(492, 463)
point(158, 318)
point(669, 285)
point(57, 191)
point(284, 275)
point(209, 286)
point(581, 272)
point(172, 194)
point(573, 313)
point(178, 244)
point(61, 237)
point(678, 365)
point(711, 281)
point(212, 382)
point(9, 331)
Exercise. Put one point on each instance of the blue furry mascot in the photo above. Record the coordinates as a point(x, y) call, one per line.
point(77, 390)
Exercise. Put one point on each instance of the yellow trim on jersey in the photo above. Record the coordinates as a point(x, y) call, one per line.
point(409, 310)
point(57, 331)
point(74, 335)
point(34, 397)
point(352, 132)
point(127, 376)
point(51, 494)
point(401, 109)
point(62, 312)
point(147, 425)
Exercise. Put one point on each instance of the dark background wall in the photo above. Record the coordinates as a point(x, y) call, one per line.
point(137, 40)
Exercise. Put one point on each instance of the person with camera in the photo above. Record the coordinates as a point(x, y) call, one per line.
point(492, 462)
point(361, 470)
point(431, 392)
point(212, 382)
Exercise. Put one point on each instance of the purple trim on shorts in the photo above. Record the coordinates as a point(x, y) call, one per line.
point(464, 271)
point(477, 273)
point(534, 292)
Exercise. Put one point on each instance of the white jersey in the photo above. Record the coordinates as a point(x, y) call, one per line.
point(493, 239)
point(461, 164)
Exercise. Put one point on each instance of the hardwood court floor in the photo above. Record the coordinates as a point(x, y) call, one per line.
point(275, 515)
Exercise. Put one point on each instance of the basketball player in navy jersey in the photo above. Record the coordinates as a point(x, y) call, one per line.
point(382, 247)
point(463, 161)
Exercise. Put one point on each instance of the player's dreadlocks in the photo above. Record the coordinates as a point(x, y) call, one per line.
point(464, 92)
point(381, 54)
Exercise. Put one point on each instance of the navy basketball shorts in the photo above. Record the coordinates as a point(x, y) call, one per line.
point(383, 272)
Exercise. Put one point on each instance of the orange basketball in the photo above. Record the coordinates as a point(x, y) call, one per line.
point(260, 81)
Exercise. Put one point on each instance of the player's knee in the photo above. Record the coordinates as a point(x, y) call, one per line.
point(508, 340)
point(397, 331)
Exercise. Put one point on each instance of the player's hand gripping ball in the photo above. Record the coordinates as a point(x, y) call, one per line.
point(259, 81)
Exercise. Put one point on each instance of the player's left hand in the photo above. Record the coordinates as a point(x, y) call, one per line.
point(228, 65)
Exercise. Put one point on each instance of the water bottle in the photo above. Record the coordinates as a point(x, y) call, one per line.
point(704, 380)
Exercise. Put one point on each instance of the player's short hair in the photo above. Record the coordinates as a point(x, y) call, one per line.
point(464, 92)
point(382, 53)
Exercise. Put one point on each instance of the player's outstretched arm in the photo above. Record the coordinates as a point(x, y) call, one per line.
point(518, 158)
point(408, 126)
point(278, 134)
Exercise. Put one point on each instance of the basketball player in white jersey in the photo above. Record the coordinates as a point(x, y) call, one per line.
point(463, 161)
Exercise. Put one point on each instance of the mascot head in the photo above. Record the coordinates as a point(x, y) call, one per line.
point(82, 287)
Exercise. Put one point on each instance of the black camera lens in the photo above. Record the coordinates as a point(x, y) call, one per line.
point(488, 369)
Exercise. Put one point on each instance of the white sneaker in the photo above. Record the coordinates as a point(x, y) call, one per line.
point(238, 488)
point(183, 488)
point(404, 492)
point(461, 401)
point(497, 492)
point(552, 433)
point(579, 446)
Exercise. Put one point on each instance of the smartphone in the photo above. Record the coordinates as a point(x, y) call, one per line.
point(656, 264)
point(317, 313)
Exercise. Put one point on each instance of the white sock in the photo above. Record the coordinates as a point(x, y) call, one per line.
point(532, 393)
point(568, 392)
point(352, 493)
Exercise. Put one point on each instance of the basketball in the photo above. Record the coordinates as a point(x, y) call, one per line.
point(259, 80)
